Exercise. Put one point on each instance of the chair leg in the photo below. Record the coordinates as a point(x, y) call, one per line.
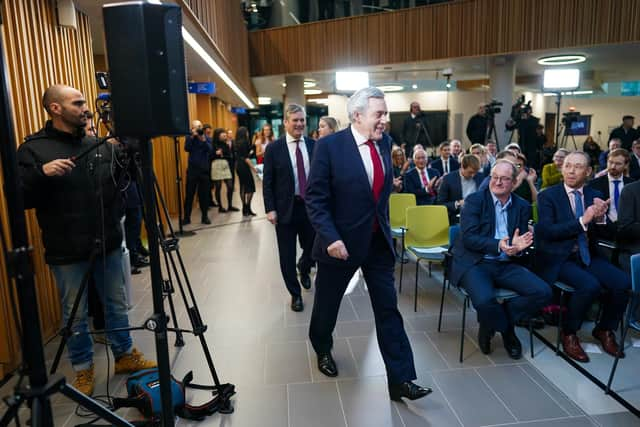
point(401, 270)
point(624, 336)
point(559, 322)
point(444, 287)
point(429, 268)
point(531, 336)
point(464, 321)
point(415, 294)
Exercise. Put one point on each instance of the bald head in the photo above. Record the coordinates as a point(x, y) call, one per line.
point(56, 93)
point(66, 106)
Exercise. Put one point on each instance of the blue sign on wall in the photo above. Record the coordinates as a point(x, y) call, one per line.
point(208, 88)
point(238, 110)
point(630, 88)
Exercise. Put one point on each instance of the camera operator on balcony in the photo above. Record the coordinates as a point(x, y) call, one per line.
point(526, 123)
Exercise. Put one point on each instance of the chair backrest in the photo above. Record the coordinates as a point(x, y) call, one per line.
point(635, 273)
point(427, 226)
point(534, 212)
point(398, 204)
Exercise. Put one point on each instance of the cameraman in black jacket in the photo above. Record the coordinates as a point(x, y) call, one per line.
point(78, 207)
point(477, 126)
point(526, 123)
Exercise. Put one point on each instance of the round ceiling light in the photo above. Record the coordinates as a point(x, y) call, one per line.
point(312, 91)
point(391, 88)
point(562, 60)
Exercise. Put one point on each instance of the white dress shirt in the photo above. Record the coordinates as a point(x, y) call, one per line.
point(445, 165)
point(365, 154)
point(426, 173)
point(613, 213)
point(291, 145)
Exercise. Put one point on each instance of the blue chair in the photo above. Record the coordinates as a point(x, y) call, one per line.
point(635, 285)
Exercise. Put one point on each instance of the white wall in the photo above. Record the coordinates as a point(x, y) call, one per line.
point(606, 113)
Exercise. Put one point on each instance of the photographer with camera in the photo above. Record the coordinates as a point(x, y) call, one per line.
point(526, 124)
point(625, 133)
point(78, 207)
point(415, 130)
point(200, 152)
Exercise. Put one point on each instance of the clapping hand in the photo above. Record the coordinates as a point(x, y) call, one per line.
point(532, 177)
point(518, 243)
point(597, 210)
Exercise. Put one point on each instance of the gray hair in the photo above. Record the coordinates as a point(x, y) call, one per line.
point(514, 168)
point(359, 101)
point(418, 151)
point(582, 154)
point(293, 109)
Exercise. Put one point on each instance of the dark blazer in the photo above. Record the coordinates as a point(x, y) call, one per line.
point(278, 185)
point(339, 199)
point(558, 229)
point(601, 184)
point(453, 165)
point(478, 227)
point(629, 218)
point(412, 183)
point(451, 191)
point(634, 168)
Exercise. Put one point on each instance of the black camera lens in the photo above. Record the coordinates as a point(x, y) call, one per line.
point(200, 132)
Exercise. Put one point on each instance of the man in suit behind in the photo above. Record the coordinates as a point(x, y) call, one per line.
point(610, 186)
point(456, 187)
point(629, 233)
point(286, 170)
point(421, 180)
point(493, 234)
point(634, 161)
point(348, 204)
point(446, 162)
point(566, 252)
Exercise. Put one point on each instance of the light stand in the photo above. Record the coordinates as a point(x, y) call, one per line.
point(181, 230)
point(558, 102)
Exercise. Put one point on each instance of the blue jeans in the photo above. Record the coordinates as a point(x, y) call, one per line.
point(109, 280)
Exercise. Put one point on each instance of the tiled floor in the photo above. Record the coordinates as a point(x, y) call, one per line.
point(261, 346)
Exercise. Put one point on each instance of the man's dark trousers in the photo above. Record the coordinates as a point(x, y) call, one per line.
point(286, 235)
point(331, 283)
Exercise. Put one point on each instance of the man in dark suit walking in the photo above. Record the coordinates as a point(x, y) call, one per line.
point(446, 162)
point(566, 252)
point(493, 234)
point(610, 186)
point(456, 187)
point(348, 203)
point(421, 180)
point(286, 170)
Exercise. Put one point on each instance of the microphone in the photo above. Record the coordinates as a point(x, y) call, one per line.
point(106, 96)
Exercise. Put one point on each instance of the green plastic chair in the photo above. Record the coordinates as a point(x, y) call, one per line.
point(426, 237)
point(398, 204)
point(534, 212)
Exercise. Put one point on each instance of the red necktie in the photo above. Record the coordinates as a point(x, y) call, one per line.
point(302, 176)
point(425, 181)
point(378, 173)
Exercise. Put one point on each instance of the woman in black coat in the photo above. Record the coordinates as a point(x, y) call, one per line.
point(245, 169)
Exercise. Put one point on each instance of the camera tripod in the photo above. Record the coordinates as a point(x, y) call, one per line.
point(491, 132)
point(567, 133)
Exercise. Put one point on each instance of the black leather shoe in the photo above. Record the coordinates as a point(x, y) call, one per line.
point(512, 344)
point(305, 281)
point(221, 209)
point(484, 339)
point(135, 270)
point(409, 390)
point(186, 221)
point(206, 220)
point(296, 304)
point(327, 365)
point(233, 209)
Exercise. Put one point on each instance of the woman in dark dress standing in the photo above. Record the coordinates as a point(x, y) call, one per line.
point(220, 170)
point(245, 169)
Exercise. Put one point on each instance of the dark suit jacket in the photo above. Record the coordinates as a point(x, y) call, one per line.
point(609, 230)
point(451, 191)
point(339, 199)
point(453, 165)
point(278, 185)
point(412, 183)
point(558, 229)
point(629, 218)
point(634, 168)
point(478, 227)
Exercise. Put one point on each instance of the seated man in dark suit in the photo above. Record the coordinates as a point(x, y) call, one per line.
point(494, 232)
point(421, 180)
point(610, 186)
point(613, 144)
point(634, 161)
point(455, 187)
point(566, 252)
point(629, 232)
point(446, 162)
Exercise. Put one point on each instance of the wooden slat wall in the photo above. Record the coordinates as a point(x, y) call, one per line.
point(450, 30)
point(223, 21)
point(38, 53)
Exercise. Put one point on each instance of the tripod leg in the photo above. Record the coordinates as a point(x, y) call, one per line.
point(11, 413)
point(94, 406)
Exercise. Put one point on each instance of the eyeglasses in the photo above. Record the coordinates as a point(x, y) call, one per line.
point(518, 165)
point(501, 178)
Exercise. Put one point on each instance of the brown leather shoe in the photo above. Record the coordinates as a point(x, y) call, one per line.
point(608, 341)
point(573, 349)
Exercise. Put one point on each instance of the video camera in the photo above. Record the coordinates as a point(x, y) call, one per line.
point(493, 108)
point(519, 108)
point(570, 117)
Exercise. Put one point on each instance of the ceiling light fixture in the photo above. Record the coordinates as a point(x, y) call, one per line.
point(350, 81)
point(320, 100)
point(264, 100)
point(188, 38)
point(312, 91)
point(414, 86)
point(309, 83)
point(284, 84)
point(390, 88)
point(562, 60)
point(558, 80)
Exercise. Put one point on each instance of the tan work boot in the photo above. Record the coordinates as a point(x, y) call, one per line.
point(84, 381)
point(133, 362)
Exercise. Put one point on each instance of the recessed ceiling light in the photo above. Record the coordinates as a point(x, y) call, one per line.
point(351, 80)
point(390, 88)
point(414, 86)
point(562, 60)
point(264, 100)
point(312, 91)
point(309, 83)
point(320, 100)
point(555, 80)
point(284, 84)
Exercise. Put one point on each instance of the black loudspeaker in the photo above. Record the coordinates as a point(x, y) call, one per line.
point(145, 53)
